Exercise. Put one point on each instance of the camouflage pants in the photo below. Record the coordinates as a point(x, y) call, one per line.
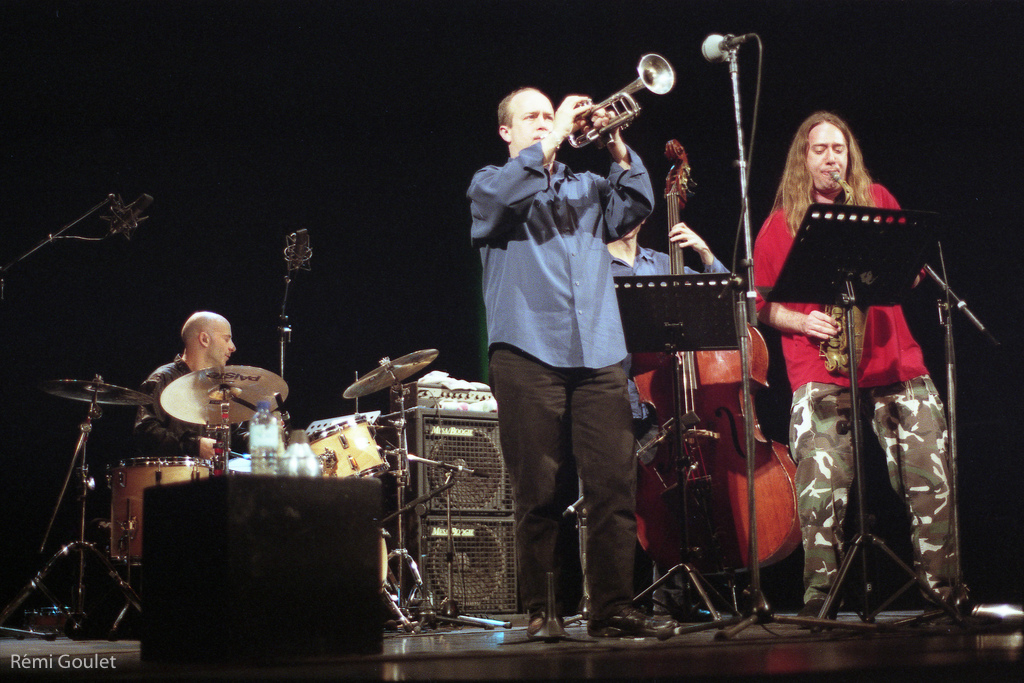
point(911, 427)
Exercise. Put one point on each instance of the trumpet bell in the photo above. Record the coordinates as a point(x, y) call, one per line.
point(656, 73)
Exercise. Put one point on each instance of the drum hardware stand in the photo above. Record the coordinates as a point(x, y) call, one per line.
point(77, 615)
point(389, 374)
point(393, 590)
point(401, 479)
point(396, 600)
point(222, 431)
point(355, 401)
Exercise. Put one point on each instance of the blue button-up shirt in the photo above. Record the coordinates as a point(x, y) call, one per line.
point(650, 262)
point(542, 239)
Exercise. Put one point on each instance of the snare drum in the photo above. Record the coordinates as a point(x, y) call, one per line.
point(347, 449)
point(127, 482)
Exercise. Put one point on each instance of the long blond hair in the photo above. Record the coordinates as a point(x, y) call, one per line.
point(796, 189)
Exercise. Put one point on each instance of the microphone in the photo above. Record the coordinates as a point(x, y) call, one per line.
point(126, 218)
point(960, 305)
point(460, 465)
point(297, 252)
point(571, 510)
point(716, 47)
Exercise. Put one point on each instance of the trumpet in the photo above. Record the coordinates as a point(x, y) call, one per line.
point(656, 74)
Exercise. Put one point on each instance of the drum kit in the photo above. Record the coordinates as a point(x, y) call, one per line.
point(215, 399)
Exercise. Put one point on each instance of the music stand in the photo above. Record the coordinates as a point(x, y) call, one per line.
point(676, 312)
point(858, 256)
point(672, 313)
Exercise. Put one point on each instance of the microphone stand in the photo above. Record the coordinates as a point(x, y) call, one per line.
point(760, 611)
point(449, 612)
point(297, 256)
point(946, 304)
point(50, 238)
point(580, 511)
point(284, 330)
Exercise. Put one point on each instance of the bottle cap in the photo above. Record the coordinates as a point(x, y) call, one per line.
point(263, 405)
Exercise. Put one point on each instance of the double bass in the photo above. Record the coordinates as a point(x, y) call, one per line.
point(702, 475)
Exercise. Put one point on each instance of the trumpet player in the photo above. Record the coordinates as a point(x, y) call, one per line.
point(825, 165)
point(555, 342)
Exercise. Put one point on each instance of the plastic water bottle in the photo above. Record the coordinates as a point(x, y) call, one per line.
point(292, 461)
point(300, 460)
point(312, 467)
point(264, 439)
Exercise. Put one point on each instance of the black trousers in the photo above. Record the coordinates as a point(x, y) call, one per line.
point(547, 415)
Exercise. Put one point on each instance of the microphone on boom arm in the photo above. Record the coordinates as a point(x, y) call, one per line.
point(716, 48)
point(124, 219)
point(297, 252)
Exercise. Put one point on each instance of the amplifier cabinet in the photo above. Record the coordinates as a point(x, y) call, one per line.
point(457, 437)
point(483, 562)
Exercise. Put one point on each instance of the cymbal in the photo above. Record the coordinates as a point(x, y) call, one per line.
point(87, 390)
point(391, 372)
point(196, 397)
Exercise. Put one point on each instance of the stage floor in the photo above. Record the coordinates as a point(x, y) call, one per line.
point(930, 652)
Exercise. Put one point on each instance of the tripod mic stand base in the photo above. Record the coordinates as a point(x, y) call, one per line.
point(552, 631)
point(695, 582)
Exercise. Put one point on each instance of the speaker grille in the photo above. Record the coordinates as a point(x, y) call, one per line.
point(483, 567)
point(455, 438)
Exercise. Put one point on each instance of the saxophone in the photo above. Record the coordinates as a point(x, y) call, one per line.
point(836, 350)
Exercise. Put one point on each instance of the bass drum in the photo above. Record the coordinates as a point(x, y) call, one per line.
point(127, 482)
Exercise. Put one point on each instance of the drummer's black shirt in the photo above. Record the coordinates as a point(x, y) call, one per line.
point(157, 434)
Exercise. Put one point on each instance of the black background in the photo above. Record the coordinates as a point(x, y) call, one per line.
point(363, 123)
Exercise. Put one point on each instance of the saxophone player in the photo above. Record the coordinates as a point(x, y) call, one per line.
point(825, 165)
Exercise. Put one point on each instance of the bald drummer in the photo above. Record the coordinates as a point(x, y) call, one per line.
point(208, 343)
